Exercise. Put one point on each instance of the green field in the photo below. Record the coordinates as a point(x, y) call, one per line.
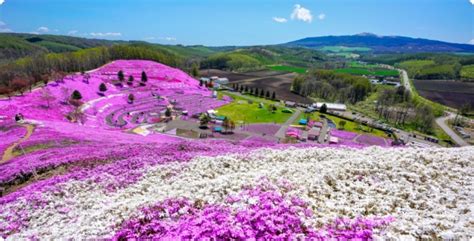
point(467, 72)
point(341, 49)
point(285, 68)
point(241, 110)
point(368, 71)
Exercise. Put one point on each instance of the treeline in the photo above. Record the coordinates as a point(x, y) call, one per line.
point(28, 71)
point(427, 65)
point(244, 89)
point(332, 86)
point(232, 62)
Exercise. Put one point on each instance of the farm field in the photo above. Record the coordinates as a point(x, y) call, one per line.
point(268, 80)
point(368, 71)
point(446, 92)
point(467, 72)
point(339, 49)
point(285, 68)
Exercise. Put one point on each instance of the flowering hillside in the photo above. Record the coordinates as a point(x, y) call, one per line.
point(95, 179)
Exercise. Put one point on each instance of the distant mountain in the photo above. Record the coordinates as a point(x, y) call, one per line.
point(383, 44)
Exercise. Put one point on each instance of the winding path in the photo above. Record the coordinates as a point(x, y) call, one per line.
point(441, 122)
point(8, 154)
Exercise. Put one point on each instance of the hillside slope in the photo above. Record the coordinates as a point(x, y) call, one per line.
point(383, 44)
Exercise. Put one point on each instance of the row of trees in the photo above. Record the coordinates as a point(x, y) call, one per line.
point(254, 91)
point(397, 106)
point(25, 73)
point(332, 86)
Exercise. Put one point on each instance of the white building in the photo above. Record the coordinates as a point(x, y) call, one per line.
point(331, 106)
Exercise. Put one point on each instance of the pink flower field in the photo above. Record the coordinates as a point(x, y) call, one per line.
point(97, 179)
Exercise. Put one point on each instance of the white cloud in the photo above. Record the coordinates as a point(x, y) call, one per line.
point(42, 29)
point(109, 34)
point(72, 32)
point(322, 16)
point(472, 40)
point(2, 24)
point(301, 13)
point(280, 20)
point(472, 2)
point(149, 38)
point(5, 30)
point(2, 1)
point(171, 39)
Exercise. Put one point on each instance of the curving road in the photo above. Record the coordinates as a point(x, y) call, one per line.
point(440, 121)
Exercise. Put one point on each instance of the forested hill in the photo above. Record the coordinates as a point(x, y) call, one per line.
point(383, 44)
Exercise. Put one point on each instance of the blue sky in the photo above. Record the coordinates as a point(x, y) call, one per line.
point(242, 22)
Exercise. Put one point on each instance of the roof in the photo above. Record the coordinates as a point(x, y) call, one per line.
point(303, 122)
point(331, 105)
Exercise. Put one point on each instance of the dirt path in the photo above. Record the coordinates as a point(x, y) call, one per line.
point(8, 154)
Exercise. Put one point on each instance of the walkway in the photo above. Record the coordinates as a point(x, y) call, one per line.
point(282, 132)
point(8, 154)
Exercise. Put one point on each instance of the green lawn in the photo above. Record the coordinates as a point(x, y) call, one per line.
point(241, 110)
point(368, 71)
point(285, 68)
point(467, 72)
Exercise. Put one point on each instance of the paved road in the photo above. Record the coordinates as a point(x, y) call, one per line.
point(441, 121)
point(282, 132)
point(405, 80)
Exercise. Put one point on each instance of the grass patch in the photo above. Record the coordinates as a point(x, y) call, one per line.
point(368, 71)
point(285, 68)
point(467, 72)
point(241, 110)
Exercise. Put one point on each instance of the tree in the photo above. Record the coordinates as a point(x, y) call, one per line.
point(195, 70)
point(226, 124)
point(19, 85)
point(4, 90)
point(47, 96)
point(268, 94)
point(168, 112)
point(76, 95)
point(241, 88)
point(121, 76)
point(204, 120)
point(144, 77)
point(102, 87)
point(274, 96)
point(130, 80)
point(131, 98)
point(262, 93)
point(246, 89)
point(342, 123)
point(231, 125)
point(323, 109)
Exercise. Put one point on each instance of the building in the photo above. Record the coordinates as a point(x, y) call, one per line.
point(331, 106)
point(222, 81)
point(290, 104)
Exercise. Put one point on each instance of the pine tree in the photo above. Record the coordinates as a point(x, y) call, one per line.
point(102, 87)
point(262, 93)
point(267, 94)
point(144, 77)
point(76, 95)
point(121, 76)
point(273, 96)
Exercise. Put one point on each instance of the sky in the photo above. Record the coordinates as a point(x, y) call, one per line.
point(239, 22)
